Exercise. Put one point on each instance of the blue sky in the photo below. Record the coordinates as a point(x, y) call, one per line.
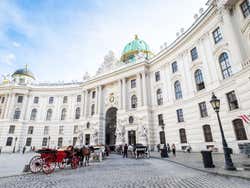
point(61, 40)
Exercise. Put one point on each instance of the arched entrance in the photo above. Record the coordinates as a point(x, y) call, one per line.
point(110, 127)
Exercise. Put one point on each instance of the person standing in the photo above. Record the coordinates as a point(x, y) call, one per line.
point(168, 148)
point(0, 149)
point(174, 149)
point(24, 148)
point(125, 151)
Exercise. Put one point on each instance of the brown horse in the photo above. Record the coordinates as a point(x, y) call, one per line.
point(84, 154)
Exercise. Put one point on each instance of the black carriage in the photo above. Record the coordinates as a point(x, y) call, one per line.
point(141, 151)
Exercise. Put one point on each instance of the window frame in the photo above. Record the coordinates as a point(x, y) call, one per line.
point(174, 66)
point(133, 83)
point(234, 104)
point(11, 129)
point(199, 81)
point(245, 12)
point(207, 132)
point(133, 101)
point(226, 68)
point(180, 115)
point(203, 109)
point(183, 136)
point(177, 90)
point(194, 53)
point(157, 76)
point(217, 35)
point(159, 97)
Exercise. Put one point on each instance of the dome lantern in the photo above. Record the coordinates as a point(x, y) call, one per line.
point(134, 50)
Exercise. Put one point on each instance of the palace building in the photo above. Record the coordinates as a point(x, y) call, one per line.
point(143, 97)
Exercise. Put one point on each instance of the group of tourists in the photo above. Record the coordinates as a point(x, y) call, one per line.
point(169, 149)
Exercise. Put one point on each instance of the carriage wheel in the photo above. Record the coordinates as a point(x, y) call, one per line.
point(36, 164)
point(49, 165)
point(48, 168)
point(62, 164)
point(74, 162)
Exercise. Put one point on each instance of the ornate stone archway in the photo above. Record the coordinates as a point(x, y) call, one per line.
point(110, 126)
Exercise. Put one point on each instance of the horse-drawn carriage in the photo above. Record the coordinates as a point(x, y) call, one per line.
point(50, 158)
point(138, 151)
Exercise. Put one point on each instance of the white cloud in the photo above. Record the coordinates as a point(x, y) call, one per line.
point(8, 59)
point(16, 44)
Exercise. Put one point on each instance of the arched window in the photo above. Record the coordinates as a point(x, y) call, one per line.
point(63, 114)
point(177, 89)
point(183, 136)
point(159, 97)
point(225, 65)
point(74, 141)
point(60, 142)
point(49, 115)
point(78, 113)
point(133, 101)
point(33, 114)
point(199, 80)
point(239, 129)
point(17, 113)
point(92, 109)
point(9, 141)
point(207, 133)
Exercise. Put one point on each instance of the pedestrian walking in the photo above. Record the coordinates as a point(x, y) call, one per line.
point(158, 147)
point(24, 148)
point(168, 148)
point(0, 149)
point(173, 149)
point(125, 151)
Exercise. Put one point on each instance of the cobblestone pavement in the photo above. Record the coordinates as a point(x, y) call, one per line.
point(127, 173)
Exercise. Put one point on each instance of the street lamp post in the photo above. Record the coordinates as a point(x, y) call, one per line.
point(163, 126)
point(48, 141)
point(215, 102)
point(14, 149)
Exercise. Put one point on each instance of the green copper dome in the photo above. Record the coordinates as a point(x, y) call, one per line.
point(23, 72)
point(135, 47)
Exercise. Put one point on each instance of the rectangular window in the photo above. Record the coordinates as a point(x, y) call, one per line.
point(174, 67)
point(9, 141)
point(194, 54)
point(203, 109)
point(157, 76)
point(45, 140)
point(180, 117)
point(245, 8)
point(217, 35)
point(65, 99)
point(3, 98)
point(133, 83)
point(20, 99)
point(93, 94)
point(36, 100)
point(51, 100)
point(79, 98)
point(60, 142)
point(28, 141)
point(61, 129)
point(160, 119)
point(46, 130)
point(75, 129)
point(232, 100)
point(12, 129)
point(30, 130)
point(74, 141)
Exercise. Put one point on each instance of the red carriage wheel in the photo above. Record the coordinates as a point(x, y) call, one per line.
point(74, 162)
point(49, 165)
point(36, 164)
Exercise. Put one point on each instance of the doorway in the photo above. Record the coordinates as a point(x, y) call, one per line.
point(110, 127)
point(131, 137)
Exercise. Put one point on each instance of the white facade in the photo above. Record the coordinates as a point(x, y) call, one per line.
point(112, 87)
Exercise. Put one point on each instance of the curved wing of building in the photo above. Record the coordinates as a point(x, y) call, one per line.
point(144, 98)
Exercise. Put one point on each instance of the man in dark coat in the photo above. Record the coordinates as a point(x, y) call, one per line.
point(125, 151)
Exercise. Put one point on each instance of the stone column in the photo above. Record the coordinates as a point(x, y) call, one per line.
point(120, 92)
point(86, 104)
point(10, 105)
point(124, 94)
point(144, 89)
point(138, 88)
point(96, 100)
point(100, 99)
